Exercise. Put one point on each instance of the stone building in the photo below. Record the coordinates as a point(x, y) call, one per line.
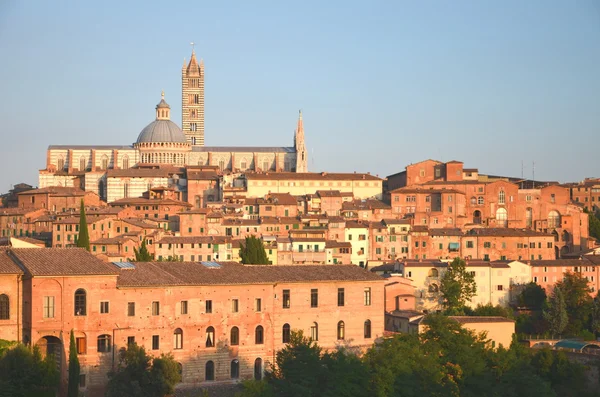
point(222, 321)
point(163, 151)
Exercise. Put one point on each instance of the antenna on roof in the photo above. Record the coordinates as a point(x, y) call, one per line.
point(533, 174)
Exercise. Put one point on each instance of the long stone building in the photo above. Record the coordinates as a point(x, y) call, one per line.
point(163, 149)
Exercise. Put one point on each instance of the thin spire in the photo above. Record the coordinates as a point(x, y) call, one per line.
point(300, 129)
point(162, 95)
point(193, 49)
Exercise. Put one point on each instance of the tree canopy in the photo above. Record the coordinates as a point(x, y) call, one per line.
point(457, 287)
point(142, 254)
point(532, 296)
point(556, 312)
point(83, 240)
point(252, 252)
point(74, 369)
point(25, 373)
point(139, 375)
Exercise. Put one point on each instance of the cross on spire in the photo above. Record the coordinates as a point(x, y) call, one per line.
point(193, 44)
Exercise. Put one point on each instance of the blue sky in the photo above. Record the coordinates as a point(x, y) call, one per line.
point(380, 84)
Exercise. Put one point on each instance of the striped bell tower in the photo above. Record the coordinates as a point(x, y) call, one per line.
point(192, 100)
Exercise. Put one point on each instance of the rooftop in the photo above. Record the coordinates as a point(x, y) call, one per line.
point(310, 176)
point(60, 262)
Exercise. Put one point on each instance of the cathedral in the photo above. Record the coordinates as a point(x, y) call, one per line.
point(163, 151)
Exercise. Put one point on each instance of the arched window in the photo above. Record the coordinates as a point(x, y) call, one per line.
point(209, 371)
point(341, 332)
point(553, 219)
point(473, 200)
point(125, 162)
point(433, 272)
point(501, 197)
point(259, 336)
point(4, 307)
point(529, 217)
point(60, 165)
point(178, 339)
point(197, 202)
point(477, 217)
point(82, 164)
point(566, 237)
point(234, 339)
point(285, 334)
point(104, 343)
point(314, 332)
point(222, 165)
point(180, 370)
point(125, 190)
point(80, 302)
point(480, 200)
point(501, 217)
point(104, 162)
point(258, 370)
point(368, 329)
point(235, 369)
point(101, 189)
point(433, 288)
point(210, 337)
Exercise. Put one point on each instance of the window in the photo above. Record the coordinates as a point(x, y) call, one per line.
point(553, 219)
point(184, 307)
point(500, 288)
point(469, 244)
point(367, 296)
point(235, 369)
point(259, 336)
point(285, 333)
point(340, 330)
point(208, 306)
point(234, 336)
point(48, 307)
point(178, 339)
point(4, 307)
point(314, 297)
point(368, 329)
point(258, 304)
point(502, 217)
point(80, 345)
point(433, 288)
point(130, 340)
point(501, 197)
point(314, 332)
point(286, 299)
point(487, 244)
point(235, 305)
point(104, 343)
point(82, 380)
point(131, 309)
point(480, 200)
point(155, 308)
point(341, 297)
point(104, 307)
point(209, 371)
point(80, 306)
point(258, 369)
point(210, 337)
point(433, 272)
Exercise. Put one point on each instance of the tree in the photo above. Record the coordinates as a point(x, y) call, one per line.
point(74, 369)
point(556, 312)
point(594, 224)
point(142, 255)
point(253, 252)
point(532, 297)
point(490, 310)
point(457, 286)
point(577, 294)
point(83, 240)
point(140, 375)
point(24, 373)
point(595, 324)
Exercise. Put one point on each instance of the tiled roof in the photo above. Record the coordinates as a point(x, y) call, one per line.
point(243, 149)
point(194, 240)
point(280, 199)
point(61, 262)
point(7, 265)
point(55, 191)
point(197, 175)
point(145, 201)
point(148, 274)
point(356, 225)
point(311, 176)
point(559, 262)
point(445, 232)
point(141, 222)
point(397, 221)
point(139, 173)
point(329, 193)
point(113, 240)
point(415, 190)
point(505, 232)
point(338, 244)
point(75, 220)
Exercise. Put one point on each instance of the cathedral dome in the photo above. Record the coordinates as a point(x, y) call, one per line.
point(162, 129)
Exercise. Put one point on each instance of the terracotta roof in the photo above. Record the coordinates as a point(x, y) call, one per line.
point(75, 220)
point(55, 191)
point(280, 199)
point(337, 244)
point(356, 225)
point(559, 262)
point(61, 262)
point(415, 190)
point(505, 232)
point(445, 232)
point(141, 222)
point(196, 211)
point(149, 274)
point(481, 319)
point(194, 240)
point(113, 240)
point(197, 175)
point(311, 176)
point(140, 173)
point(329, 193)
point(397, 221)
point(7, 265)
point(419, 229)
point(595, 259)
point(145, 201)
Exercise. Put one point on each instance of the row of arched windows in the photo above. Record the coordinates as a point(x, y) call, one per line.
point(234, 337)
point(314, 331)
point(234, 369)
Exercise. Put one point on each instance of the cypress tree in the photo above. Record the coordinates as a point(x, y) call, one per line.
point(74, 369)
point(142, 255)
point(253, 252)
point(83, 241)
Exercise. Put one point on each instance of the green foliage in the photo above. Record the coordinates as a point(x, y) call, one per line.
point(74, 369)
point(83, 240)
point(594, 224)
point(140, 375)
point(5, 345)
point(256, 388)
point(252, 252)
point(556, 312)
point(532, 297)
point(576, 292)
point(24, 373)
point(489, 310)
point(595, 313)
point(457, 287)
point(142, 255)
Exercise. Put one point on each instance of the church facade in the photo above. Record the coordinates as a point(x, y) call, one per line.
point(163, 152)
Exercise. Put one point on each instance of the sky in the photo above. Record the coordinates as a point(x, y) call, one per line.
point(381, 84)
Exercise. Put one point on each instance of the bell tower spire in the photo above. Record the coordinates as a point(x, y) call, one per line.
point(299, 146)
point(192, 100)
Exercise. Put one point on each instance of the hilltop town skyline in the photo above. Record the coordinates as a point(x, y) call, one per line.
point(458, 85)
